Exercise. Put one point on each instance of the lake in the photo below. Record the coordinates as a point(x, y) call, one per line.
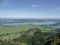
point(33, 23)
point(16, 22)
point(56, 26)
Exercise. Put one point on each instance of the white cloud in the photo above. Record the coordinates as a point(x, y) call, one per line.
point(34, 6)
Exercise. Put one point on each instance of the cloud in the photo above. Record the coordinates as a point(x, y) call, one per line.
point(58, 10)
point(35, 6)
point(3, 3)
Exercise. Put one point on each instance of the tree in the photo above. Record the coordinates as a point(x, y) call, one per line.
point(32, 37)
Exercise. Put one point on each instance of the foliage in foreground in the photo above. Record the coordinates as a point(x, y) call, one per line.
point(33, 36)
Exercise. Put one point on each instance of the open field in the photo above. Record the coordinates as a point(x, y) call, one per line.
point(18, 30)
point(24, 32)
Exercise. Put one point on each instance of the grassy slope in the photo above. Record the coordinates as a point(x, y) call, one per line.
point(8, 30)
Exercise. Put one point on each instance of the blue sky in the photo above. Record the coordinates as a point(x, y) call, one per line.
point(30, 9)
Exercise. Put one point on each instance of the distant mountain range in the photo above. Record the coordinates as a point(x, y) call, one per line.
point(28, 20)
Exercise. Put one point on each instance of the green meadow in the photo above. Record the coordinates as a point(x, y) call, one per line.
point(25, 34)
point(18, 30)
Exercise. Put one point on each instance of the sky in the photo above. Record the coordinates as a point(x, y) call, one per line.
point(30, 9)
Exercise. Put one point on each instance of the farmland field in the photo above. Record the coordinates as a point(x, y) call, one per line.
point(14, 29)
